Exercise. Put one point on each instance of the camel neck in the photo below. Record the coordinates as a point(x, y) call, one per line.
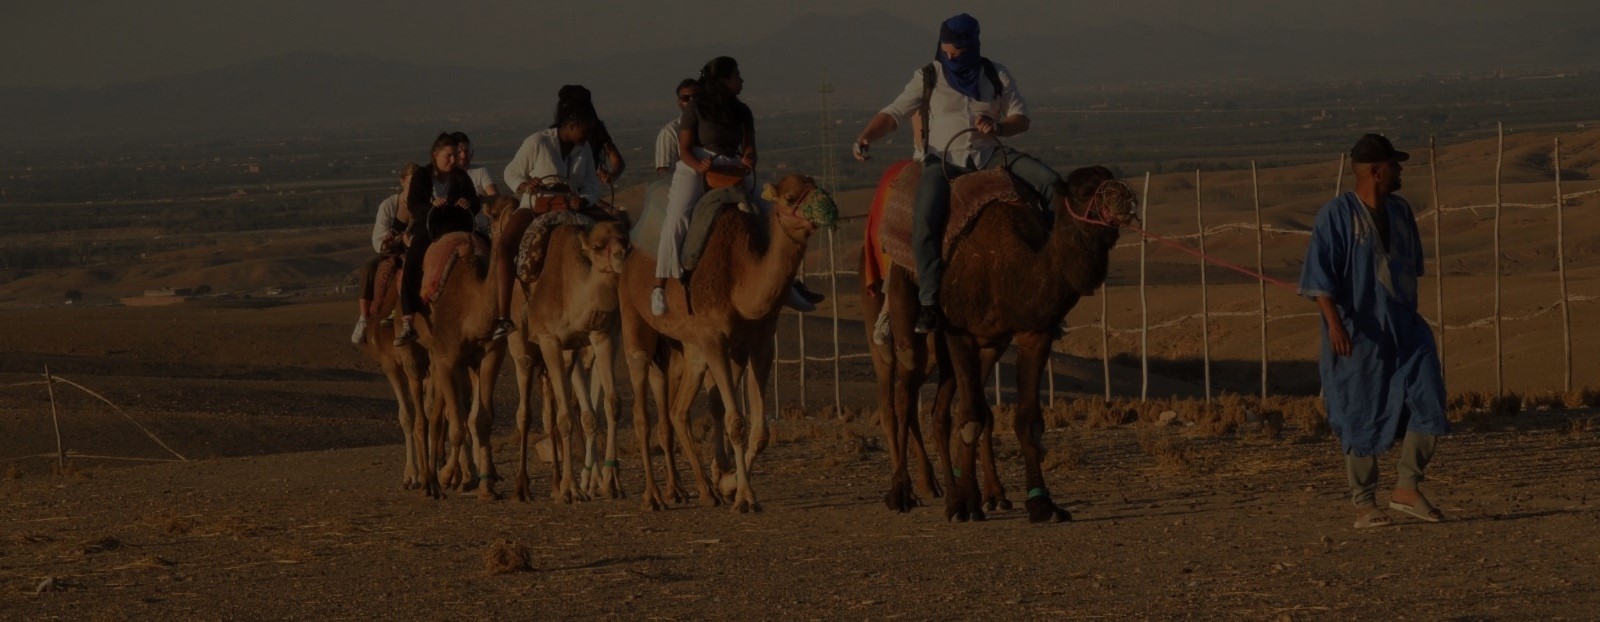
point(767, 276)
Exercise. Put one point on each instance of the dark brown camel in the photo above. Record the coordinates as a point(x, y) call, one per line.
point(990, 298)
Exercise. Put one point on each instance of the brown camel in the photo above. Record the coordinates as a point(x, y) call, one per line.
point(748, 265)
point(464, 363)
point(572, 304)
point(911, 447)
point(406, 368)
point(1010, 278)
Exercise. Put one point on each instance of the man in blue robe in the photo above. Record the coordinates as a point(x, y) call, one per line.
point(1380, 369)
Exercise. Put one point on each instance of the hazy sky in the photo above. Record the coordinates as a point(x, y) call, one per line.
point(97, 42)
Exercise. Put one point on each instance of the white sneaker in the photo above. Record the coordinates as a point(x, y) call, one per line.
point(658, 301)
point(360, 334)
point(794, 300)
point(880, 328)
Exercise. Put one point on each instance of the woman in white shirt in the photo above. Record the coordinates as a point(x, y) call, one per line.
point(387, 240)
point(557, 154)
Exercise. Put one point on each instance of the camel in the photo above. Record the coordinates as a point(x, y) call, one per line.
point(406, 368)
point(572, 304)
point(463, 365)
point(1009, 278)
point(748, 264)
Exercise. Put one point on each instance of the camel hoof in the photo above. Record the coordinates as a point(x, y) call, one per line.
point(487, 493)
point(992, 502)
point(929, 490)
point(900, 498)
point(1043, 510)
point(728, 484)
point(709, 499)
point(746, 507)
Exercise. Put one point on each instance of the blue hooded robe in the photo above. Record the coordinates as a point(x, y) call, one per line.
point(1392, 378)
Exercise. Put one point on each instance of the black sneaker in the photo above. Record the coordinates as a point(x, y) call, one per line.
point(806, 293)
point(502, 327)
point(927, 319)
point(405, 335)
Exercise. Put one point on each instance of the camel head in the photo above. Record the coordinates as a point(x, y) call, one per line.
point(499, 210)
point(605, 245)
point(800, 206)
point(1094, 194)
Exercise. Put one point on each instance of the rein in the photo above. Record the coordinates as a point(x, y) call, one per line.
point(1092, 216)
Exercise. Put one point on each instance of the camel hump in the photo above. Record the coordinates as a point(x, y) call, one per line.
point(441, 260)
point(536, 240)
point(970, 195)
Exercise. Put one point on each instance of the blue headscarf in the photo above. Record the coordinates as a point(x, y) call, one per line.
point(963, 72)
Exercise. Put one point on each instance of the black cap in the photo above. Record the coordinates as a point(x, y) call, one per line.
point(1374, 148)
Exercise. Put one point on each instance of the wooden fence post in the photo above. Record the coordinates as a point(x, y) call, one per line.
point(1438, 265)
point(1499, 363)
point(1255, 187)
point(50, 387)
point(1205, 302)
point(1561, 271)
point(1105, 340)
point(1144, 306)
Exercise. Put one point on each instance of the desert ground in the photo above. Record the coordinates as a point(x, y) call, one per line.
point(289, 505)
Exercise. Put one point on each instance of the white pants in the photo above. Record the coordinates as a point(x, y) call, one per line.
point(687, 188)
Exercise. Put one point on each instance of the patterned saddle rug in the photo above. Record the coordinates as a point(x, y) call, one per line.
point(536, 240)
point(441, 260)
point(969, 194)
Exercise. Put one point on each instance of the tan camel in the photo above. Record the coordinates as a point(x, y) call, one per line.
point(571, 305)
point(747, 267)
point(463, 367)
point(1009, 278)
point(406, 368)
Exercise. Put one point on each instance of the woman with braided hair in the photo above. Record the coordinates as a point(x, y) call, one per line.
point(716, 130)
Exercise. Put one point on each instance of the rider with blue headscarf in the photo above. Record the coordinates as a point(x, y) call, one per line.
point(961, 90)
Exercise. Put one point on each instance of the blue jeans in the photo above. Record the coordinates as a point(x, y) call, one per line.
point(931, 210)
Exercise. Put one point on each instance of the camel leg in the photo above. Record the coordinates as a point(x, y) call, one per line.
point(605, 395)
point(757, 373)
point(664, 383)
point(964, 502)
point(522, 363)
point(556, 373)
point(1033, 352)
point(483, 423)
point(994, 494)
point(745, 499)
point(939, 415)
point(639, 376)
point(910, 358)
point(466, 458)
point(589, 482)
point(402, 396)
point(433, 453)
point(454, 395)
point(694, 369)
point(547, 413)
point(722, 475)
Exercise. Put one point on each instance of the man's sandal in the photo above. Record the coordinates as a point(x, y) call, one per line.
point(1422, 510)
point(1373, 517)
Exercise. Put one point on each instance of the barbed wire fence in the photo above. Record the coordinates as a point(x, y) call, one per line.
point(800, 357)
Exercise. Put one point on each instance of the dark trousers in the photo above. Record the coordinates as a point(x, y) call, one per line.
point(931, 210)
point(411, 274)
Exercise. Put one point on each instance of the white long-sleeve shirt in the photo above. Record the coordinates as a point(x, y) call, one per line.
point(540, 156)
point(950, 112)
point(667, 144)
point(387, 222)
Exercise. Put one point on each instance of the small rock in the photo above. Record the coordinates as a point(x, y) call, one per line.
point(1168, 418)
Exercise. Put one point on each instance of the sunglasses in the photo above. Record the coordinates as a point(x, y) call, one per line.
point(684, 98)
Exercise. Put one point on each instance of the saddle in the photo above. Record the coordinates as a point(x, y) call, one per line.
point(441, 260)
point(969, 195)
point(724, 176)
point(701, 217)
point(555, 198)
point(536, 240)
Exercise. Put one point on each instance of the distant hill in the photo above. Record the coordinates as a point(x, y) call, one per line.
point(867, 57)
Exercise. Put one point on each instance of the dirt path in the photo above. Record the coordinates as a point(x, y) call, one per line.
point(1236, 528)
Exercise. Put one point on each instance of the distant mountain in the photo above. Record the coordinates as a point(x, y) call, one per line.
point(867, 57)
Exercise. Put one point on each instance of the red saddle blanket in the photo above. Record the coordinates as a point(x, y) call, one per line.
point(969, 194)
point(441, 260)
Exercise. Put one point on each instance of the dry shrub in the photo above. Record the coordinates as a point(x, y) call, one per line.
point(1067, 455)
point(1508, 405)
point(505, 557)
point(1171, 452)
point(1548, 401)
point(1219, 419)
point(1577, 427)
point(1306, 415)
point(1474, 400)
point(1582, 398)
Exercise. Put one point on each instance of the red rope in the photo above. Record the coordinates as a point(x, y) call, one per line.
point(1133, 224)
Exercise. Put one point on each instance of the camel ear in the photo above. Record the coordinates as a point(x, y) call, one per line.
point(769, 192)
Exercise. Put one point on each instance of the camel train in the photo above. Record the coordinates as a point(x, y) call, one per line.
point(581, 285)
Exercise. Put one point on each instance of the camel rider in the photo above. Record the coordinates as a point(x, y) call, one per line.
point(667, 140)
point(441, 200)
point(960, 90)
point(481, 181)
point(559, 152)
point(715, 130)
point(388, 232)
